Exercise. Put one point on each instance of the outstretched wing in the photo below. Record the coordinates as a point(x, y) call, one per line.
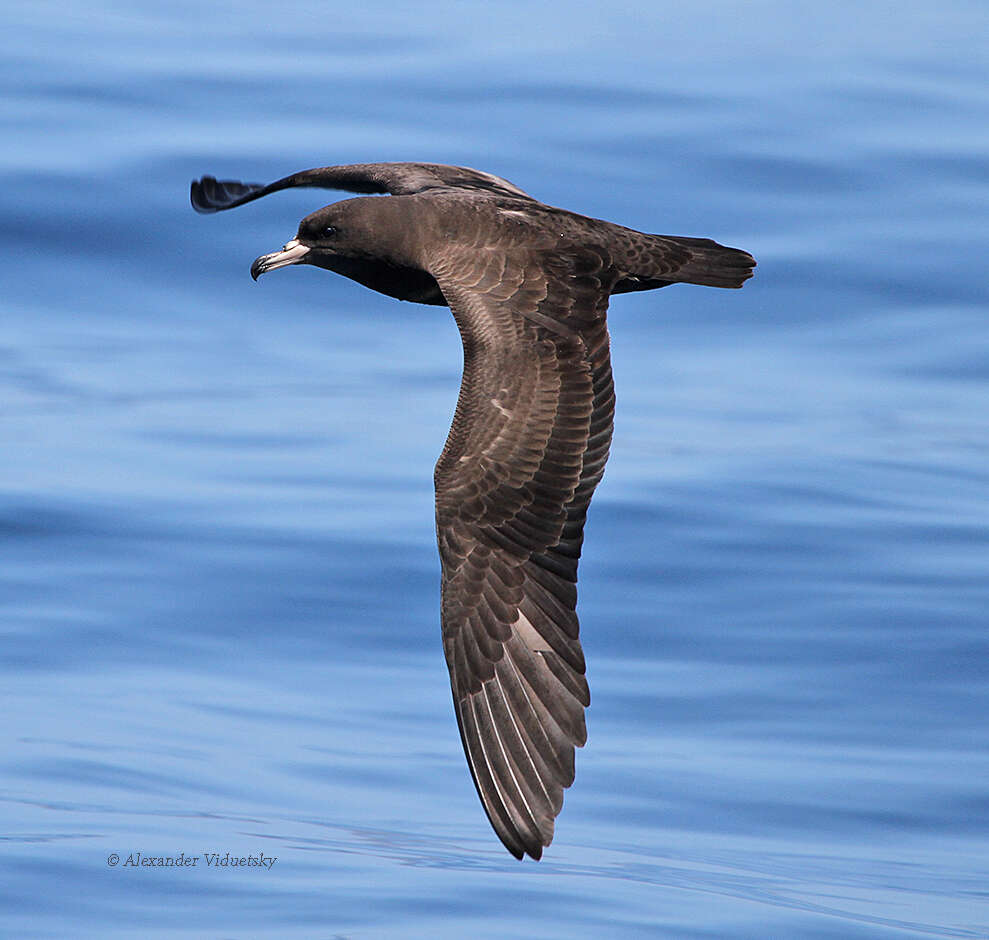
point(528, 445)
point(398, 179)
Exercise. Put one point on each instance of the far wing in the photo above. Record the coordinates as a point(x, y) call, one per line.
point(398, 179)
point(528, 446)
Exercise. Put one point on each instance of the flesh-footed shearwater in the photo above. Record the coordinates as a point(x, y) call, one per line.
point(528, 285)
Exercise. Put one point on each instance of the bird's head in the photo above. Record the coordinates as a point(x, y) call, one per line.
point(342, 233)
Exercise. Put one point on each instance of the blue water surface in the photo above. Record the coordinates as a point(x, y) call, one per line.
point(219, 581)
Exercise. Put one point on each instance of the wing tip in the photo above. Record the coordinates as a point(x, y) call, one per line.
point(534, 852)
point(197, 194)
point(521, 847)
point(209, 195)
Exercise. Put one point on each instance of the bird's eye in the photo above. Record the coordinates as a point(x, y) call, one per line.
point(329, 231)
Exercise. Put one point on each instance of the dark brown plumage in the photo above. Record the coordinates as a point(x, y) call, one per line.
point(528, 285)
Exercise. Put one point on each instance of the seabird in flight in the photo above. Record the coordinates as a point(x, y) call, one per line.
point(528, 285)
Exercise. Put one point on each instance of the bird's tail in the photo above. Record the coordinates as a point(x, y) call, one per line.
point(709, 264)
